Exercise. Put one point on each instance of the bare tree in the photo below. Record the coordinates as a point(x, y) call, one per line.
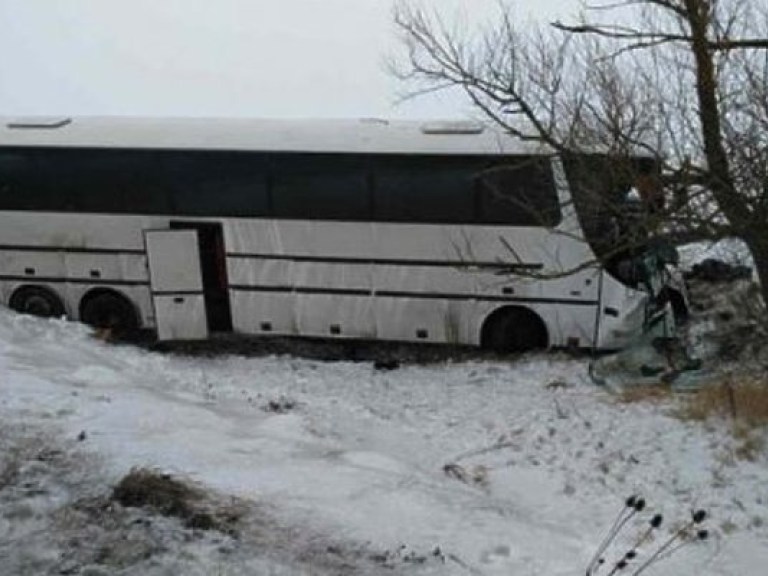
point(685, 81)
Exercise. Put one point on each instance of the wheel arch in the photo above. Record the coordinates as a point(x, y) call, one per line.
point(16, 291)
point(524, 317)
point(100, 291)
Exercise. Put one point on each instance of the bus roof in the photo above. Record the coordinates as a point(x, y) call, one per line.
point(332, 136)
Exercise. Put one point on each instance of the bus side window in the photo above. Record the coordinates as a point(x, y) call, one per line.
point(98, 181)
point(218, 183)
point(320, 186)
point(519, 193)
point(17, 175)
point(425, 189)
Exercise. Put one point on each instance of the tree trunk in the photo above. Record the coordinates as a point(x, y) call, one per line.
point(758, 247)
point(720, 181)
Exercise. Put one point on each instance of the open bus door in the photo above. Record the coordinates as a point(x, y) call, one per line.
point(176, 281)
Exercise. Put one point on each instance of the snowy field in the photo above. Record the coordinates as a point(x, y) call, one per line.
point(473, 467)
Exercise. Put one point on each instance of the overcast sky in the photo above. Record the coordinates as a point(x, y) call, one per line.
point(256, 58)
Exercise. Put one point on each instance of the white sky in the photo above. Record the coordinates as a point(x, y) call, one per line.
point(257, 58)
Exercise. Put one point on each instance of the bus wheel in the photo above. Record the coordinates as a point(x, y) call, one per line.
point(109, 311)
point(37, 301)
point(514, 329)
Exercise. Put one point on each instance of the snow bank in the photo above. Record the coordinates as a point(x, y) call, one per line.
point(361, 456)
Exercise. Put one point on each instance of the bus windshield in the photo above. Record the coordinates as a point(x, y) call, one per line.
point(616, 201)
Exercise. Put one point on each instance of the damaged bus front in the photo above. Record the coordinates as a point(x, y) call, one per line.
point(619, 203)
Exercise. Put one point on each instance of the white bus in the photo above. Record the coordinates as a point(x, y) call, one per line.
point(442, 232)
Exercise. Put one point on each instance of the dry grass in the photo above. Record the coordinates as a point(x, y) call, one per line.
point(742, 403)
point(10, 466)
point(144, 488)
point(646, 393)
point(741, 400)
point(152, 489)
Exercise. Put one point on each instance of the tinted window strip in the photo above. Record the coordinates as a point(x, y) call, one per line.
point(484, 298)
point(339, 291)
point(301, 290)
point(64, 280)
point(71, 250)
point(502, 266)
point(253, 288)
point(245, 215)
point(232, 183)
point(416, 295)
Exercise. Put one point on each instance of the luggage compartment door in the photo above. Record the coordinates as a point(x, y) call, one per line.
point(176, 281)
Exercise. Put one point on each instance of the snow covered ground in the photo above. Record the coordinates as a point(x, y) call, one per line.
point(730, 250)
point(508, 468)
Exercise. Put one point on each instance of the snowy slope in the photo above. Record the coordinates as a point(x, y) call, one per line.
point(359, 455)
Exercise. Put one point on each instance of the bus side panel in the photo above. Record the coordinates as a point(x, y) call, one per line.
point(427, 280)
point(568, 325)
point(122, 267)
point(412, 319)
point(328, 315)
point(79, 231)
point(436, 294)
point(332, 277)
point(31, 265)
point(468, 244)
point(263, 312)
point(259, 273)
point(318, 239)
point(325, 238)
point(79, 267)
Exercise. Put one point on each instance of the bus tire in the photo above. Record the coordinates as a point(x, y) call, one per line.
point(111, 311)
point(37, 301)
point(514, 329)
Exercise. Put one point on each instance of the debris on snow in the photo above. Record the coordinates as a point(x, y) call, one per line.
point(281, 405)
point(477, 475)
point(386, 364)
point(714, 270)
point(729, 322)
